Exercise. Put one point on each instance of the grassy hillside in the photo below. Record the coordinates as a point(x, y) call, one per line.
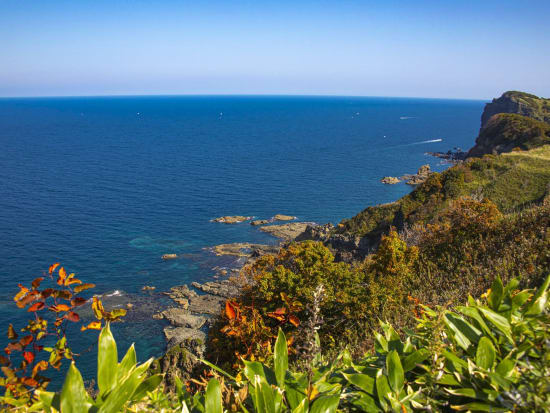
point(511, 181)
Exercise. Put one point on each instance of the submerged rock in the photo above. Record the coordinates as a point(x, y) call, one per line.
point(236, 219)
point(281, 217)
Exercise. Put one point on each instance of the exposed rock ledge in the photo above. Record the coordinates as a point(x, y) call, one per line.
point(414, 179)
point(236, 219)
point(287, 232)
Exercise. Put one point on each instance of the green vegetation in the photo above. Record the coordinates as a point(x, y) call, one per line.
point(512, 181)
point(489, 355)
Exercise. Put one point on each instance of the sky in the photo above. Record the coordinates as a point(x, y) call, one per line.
point(423, 48)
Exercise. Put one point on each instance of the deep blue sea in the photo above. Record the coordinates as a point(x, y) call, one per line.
point(108, 185)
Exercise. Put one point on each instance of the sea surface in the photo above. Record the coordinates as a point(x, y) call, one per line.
point(107, 185)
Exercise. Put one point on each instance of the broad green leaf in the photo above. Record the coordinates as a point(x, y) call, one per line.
point(148, 385)
point(495, 296)
point(123, 392)
point(538, 306)
point(413, 359)
point(213, 397)
point(505, 367)
point(498, 321)
point(325, 404)
point(485, 354)
point(465, 334)
point(364, 382)
point(73, 394)
point(542, 288)
point(395, 371)
point(128, 362)
point(107, 361)
point(303, 407)
point(366, 403)
point(380, 343)
point(471, 311)
point(281, 358)
point(296, 390)
point(382, 388)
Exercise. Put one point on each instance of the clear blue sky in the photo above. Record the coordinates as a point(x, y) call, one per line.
point(444, 48)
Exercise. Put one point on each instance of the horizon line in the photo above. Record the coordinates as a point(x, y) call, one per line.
point(233, 95)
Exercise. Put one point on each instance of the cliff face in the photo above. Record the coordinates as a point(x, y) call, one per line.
point(514, 120)
point(505, 132)
point(519, 103)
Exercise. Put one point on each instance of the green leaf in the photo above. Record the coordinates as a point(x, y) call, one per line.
point(505, 367)
point(464, 333)
point(281, 358)
point(122, 393)
point(296, 390)
point(213, 397)
point(498, 321)
point(148, 385)
point(479, 407)
point(413, 359)
point(128, 362)
point(325, 404)
point(382, 388)
point(486, 354)
point(107, 361)
point(395, 371)
point(73, 395)
point(214, 367)
point(495, 296)
point(364, 382)
point(366, 404)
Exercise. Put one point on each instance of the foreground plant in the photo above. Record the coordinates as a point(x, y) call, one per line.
point(43, 344)
point(491, 355)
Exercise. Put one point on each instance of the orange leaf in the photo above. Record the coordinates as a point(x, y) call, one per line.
point(295, 321)
point(60, 307)
point(36, 282)
point(21, 293)
point(72, 316)
point(98, 309)
point(47, 292)
point(277, 316)
point(28, 381)
point(71, 280)
point(83, 287)
point(4, 361)
point(281, 310)
point(41, 365)
point(13, 347)
point(78, 301)
point(36, 307)
point(62, 276)
point(229, 310)
point(12, 335)
point(94, 325)
point(28, 356)
point(53, 267)
point(29, 298)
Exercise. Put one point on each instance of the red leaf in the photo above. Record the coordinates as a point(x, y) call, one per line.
point(78, 301)
point(62, 276)
point(41, 365)
point(229, 310)
point(74, 317)
point(36, 307)
point(94, 325)
point(28, 356)
point(28, 381)
point(36, 282)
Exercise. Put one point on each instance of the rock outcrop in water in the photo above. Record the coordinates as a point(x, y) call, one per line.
point(235, 219)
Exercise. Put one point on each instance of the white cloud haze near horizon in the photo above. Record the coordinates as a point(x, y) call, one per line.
point(425, 48)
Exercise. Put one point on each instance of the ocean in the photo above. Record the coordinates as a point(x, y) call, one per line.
point(107, 185)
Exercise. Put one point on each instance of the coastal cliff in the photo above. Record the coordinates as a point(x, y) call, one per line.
point(520, 103)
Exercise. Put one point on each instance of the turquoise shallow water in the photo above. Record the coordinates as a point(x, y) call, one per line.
point(108, 185)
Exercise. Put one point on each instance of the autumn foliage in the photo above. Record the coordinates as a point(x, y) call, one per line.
point(42, 343)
